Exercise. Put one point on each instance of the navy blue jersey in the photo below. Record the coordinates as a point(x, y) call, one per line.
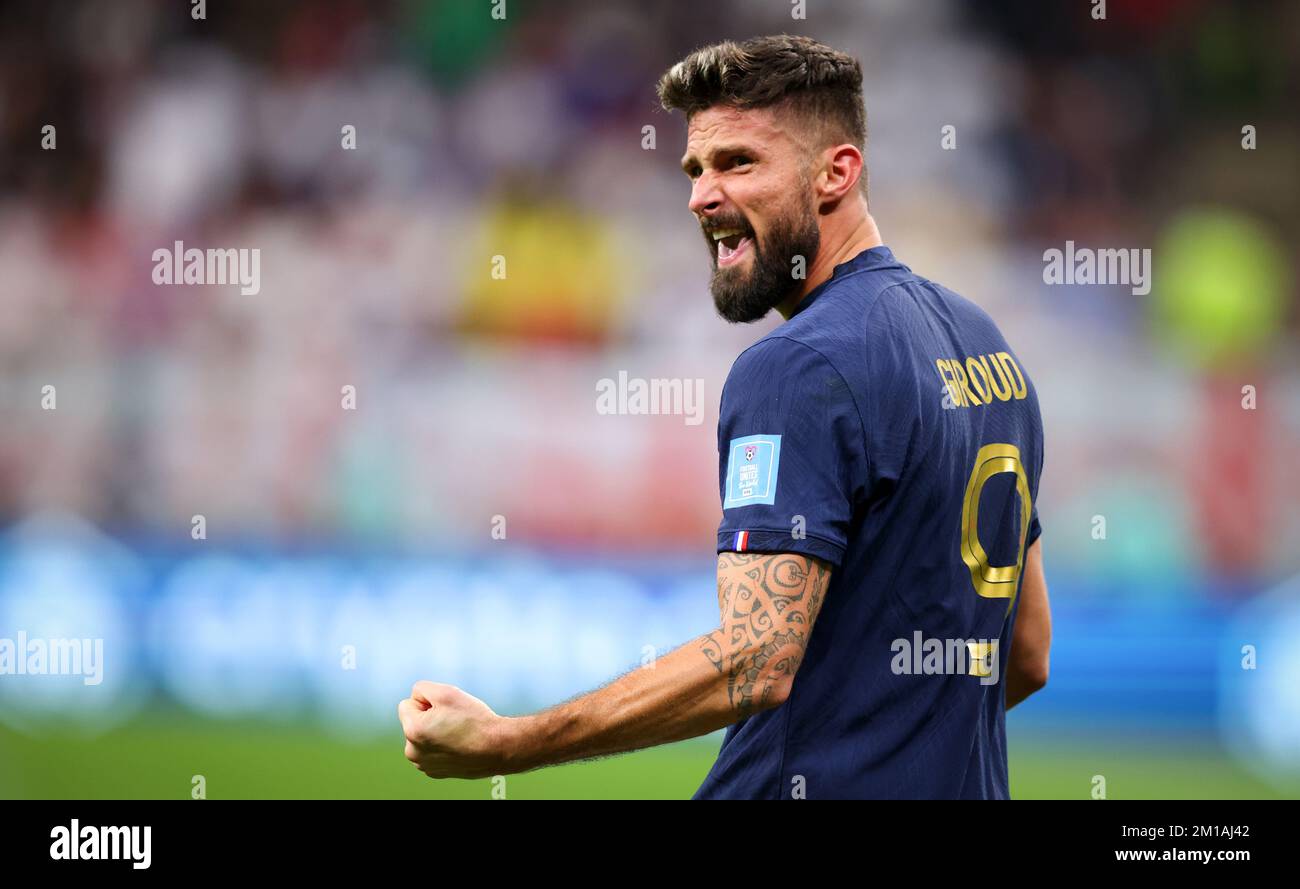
point(889, 429)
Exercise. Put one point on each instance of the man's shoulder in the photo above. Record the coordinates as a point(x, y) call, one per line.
point(829, 334)
point(777, 359)
point(840, 320)
point(882, 308)
point(832, 330)
point(783, 368)
point(879, 308)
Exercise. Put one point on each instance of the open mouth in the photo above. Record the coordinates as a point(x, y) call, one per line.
point(732, 244)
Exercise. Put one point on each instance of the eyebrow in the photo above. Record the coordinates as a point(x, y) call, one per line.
point(721, 149)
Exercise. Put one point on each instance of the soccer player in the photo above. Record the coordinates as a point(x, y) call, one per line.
point(879, 579)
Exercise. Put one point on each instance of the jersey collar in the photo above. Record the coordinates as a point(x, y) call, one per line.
point(871, 257)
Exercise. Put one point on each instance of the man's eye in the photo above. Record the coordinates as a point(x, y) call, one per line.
point(741, 160)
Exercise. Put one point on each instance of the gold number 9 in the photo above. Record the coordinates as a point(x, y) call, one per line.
point(993, 581)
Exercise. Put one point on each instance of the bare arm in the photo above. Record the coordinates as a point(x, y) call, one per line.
point(1032, 641)
point(768, 604)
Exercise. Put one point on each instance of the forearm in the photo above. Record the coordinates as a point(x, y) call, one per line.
point(1021, 682)
point(1017, 688)
point(767, 603)
point(1031, 643)
point(680, 695)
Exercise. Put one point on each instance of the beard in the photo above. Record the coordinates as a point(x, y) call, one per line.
point(744, 295)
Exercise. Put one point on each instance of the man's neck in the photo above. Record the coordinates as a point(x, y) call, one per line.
point(863, 236)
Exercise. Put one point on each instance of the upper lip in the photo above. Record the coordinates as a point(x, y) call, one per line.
point(721, 232)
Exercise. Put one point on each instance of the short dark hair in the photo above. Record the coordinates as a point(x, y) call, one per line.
point(821, 84)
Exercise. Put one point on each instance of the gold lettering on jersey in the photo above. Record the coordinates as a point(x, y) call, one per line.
point(1020, 390)
point(1003, 392)
point(962, 383)
point(949, 379)
point(982, 379)
point(979, 380)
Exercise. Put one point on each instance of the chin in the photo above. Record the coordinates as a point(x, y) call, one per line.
point(741, 306)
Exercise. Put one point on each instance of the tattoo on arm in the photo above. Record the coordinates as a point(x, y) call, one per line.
point(768, 602)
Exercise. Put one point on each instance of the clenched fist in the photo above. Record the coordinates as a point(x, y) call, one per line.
point(452, 734)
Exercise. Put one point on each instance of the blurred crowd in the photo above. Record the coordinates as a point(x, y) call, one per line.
point(525, 137)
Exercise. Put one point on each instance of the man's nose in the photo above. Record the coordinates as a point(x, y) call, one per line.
point(705, 195)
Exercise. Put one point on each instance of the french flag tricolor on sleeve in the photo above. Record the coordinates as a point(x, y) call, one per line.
point(742, 541)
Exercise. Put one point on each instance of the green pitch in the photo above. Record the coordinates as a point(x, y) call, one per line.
point(157, 757)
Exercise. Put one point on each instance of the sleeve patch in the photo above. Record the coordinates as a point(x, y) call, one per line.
point(752, 464)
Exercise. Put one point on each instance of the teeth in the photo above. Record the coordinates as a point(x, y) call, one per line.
point(720, 233)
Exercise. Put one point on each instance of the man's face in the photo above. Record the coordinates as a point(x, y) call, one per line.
point(750, 185)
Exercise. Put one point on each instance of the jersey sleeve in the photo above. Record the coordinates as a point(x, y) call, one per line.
point(792, 457)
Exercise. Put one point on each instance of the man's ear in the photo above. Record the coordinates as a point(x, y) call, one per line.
point(842, 168)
